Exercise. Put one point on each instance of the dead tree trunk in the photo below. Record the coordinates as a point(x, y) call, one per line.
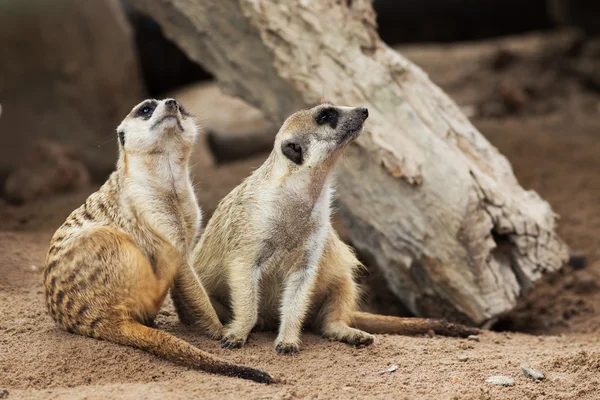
point(426, 197)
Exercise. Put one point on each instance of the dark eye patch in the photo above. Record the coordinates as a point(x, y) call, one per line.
point(146, 109)
point(121, 138)
point(327, 116)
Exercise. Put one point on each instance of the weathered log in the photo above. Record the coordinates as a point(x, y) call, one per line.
point(426, 197)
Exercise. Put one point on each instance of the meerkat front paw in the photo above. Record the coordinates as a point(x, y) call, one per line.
point(233, 340)
point(289, 349)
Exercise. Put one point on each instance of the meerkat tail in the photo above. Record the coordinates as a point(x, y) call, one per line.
point(380, 324)
point(169, 347)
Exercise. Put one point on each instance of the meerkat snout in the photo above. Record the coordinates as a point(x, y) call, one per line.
point(167, 117)
point(171, 104)
point(352, 125)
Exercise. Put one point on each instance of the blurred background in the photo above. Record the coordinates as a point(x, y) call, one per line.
point(527, 73)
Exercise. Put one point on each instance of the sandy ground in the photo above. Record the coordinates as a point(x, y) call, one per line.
point(556, 328)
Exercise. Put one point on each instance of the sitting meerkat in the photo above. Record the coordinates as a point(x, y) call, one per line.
point(112, 262)
point(269, 255)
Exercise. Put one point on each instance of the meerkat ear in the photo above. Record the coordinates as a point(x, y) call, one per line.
point(121, 137)
point(293, 150)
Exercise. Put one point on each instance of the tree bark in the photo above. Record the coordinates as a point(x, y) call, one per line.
point(427, 198)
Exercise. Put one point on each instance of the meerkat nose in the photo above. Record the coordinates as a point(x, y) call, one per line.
point(364, 111)
point(171, 104)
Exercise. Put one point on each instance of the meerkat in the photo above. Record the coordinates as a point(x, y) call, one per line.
point(112, 262)
point(269, 256)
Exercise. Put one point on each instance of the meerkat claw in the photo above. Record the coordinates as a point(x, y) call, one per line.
point(360, 340)
point(231, 342)
point(287, 349)
point(353, 337)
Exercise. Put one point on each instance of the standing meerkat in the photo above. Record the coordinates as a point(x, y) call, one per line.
point(112, 262)
point(269, 256)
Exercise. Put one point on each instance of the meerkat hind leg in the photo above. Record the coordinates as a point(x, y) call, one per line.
point(336, 314)
point(137, 288)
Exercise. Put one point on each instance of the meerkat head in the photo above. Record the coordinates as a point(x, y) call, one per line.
point(317, 136)
point(155, 127)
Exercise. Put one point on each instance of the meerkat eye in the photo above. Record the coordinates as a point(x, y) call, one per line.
point(121, 138)
point(145, 111)
point(292, 151)
point(327, 116)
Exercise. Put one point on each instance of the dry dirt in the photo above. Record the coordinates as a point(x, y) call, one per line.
point(556, 328)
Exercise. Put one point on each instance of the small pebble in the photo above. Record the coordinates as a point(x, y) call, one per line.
point(474, 338)
point(463, 357)
point(500, 380)
point(533, 374)
point(465, 346)
point(34, 268)
point(3, 394)
point(392, 368)
point(455, 379)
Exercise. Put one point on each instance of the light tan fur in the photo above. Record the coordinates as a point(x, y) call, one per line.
point(269, 256)
point(112, 262)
